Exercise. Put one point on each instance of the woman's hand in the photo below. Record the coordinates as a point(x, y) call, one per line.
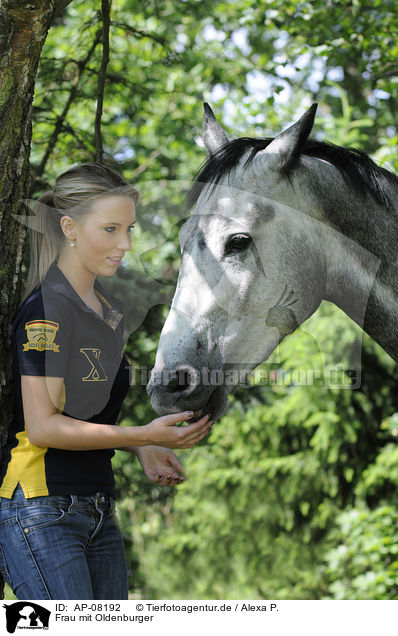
point(163, 431)
point(160, 465)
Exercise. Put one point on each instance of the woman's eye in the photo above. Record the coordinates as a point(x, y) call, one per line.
point(112, 228)
point(237, 243)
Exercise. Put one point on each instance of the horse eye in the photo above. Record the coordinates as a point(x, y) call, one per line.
point(237, 243)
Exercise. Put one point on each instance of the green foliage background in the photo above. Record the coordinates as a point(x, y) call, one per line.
point(293, 495)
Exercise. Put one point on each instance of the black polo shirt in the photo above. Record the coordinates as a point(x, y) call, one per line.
point(56, 334)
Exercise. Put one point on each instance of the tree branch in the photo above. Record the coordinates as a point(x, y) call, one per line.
point(143, 166)
point(106, 21)
point(143, 34)
point(82, 144)
point(116, 78)
point(39, 170)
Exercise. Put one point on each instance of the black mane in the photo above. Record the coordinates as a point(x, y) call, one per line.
point(358, 169)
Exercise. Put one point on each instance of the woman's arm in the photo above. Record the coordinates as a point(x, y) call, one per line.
point(46, 427)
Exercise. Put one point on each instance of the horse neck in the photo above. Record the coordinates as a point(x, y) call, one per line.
point(363, 280)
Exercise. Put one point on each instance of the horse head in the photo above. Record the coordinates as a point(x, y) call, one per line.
point(263, 246)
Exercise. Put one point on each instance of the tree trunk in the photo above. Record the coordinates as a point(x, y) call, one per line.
point(23, 28)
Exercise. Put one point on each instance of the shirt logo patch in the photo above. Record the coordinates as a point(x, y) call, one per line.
point(97, 371)
point(41, 335)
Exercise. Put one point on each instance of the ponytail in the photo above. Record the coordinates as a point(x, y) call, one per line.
point(45, 240)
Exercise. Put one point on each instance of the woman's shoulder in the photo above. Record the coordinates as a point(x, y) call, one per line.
point(41, 335)
point(42, 304)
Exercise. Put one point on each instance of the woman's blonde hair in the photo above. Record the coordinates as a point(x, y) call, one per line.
point(74, 192)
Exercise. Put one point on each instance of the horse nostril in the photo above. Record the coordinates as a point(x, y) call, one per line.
point(181, 382)
point(184, 380)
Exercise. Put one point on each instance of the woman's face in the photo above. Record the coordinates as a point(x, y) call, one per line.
point(102, 239)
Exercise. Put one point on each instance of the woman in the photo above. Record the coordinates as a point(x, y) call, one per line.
point(58, 535)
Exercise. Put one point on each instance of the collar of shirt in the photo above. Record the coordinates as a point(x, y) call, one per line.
point(60, 284)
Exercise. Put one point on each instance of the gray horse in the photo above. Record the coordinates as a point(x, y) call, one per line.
point(276, 226)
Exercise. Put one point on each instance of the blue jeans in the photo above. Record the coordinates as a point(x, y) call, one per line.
point(62, 547)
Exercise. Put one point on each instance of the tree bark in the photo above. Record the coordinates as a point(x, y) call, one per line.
point(23, 29)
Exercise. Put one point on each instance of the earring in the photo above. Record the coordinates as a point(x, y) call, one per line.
point(72, 244)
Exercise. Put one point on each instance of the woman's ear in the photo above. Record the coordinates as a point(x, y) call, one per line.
point(68, 227)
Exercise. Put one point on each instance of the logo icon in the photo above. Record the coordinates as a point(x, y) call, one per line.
point(26, 615)
point(41, 335)
point(97, 371)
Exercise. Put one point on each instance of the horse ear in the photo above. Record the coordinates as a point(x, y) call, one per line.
point(212, 133)
point(286, 148)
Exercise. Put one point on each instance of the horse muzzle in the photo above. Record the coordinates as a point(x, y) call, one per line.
point(185, 388)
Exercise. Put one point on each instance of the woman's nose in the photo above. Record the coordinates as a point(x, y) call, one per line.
point(124, 242)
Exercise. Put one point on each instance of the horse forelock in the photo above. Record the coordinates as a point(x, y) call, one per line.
point(357, 168)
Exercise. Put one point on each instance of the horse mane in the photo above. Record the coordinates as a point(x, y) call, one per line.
point(357, 168)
